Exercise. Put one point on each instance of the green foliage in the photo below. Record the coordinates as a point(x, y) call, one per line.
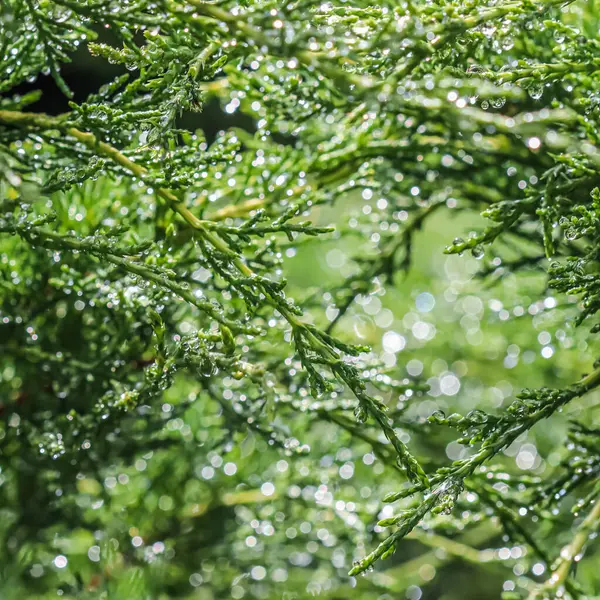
point(194, 406)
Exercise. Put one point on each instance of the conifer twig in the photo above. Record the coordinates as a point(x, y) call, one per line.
point(569, 555)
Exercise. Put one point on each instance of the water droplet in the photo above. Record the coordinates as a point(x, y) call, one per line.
point(478, 252)
point(360, 413)
point(477, 416)
point(438, 416)
point(508, 43)
point(536, 91)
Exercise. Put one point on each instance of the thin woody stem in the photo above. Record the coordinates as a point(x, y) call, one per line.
point(570, 554)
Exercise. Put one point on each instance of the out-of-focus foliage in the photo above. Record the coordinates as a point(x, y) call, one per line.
point(261, 366)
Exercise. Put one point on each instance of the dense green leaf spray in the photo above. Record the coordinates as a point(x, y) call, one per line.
point(180, 421)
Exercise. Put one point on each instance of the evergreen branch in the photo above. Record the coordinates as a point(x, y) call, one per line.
point(153, 394)
point(38, 236)
point(569, 555)
point(324, 346)
point(446, 483)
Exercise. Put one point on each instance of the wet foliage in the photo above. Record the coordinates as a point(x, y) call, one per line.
point(260, 365)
